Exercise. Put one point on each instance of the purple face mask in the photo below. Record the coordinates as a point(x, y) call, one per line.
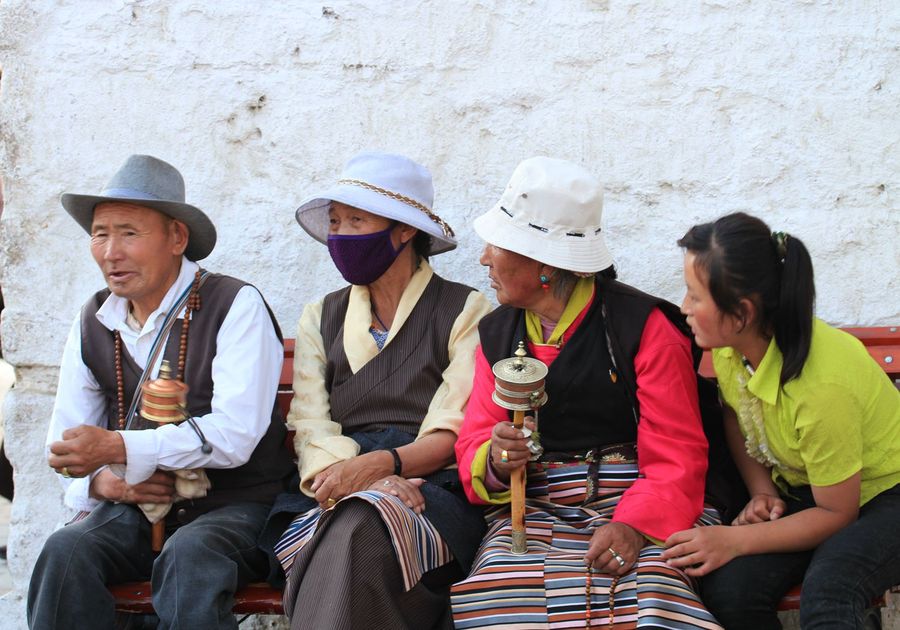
point(363, 258)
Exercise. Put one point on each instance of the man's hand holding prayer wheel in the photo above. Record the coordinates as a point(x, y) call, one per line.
point(509, 448)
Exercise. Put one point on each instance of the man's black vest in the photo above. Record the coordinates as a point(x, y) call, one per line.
point(263, 476)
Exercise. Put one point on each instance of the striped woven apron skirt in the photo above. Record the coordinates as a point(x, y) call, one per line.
point(417, 544)
point(549, 586)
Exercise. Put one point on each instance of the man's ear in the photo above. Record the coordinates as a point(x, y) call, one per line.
point(180, 235)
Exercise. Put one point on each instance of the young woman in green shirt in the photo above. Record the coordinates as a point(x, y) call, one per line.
point(814, 426)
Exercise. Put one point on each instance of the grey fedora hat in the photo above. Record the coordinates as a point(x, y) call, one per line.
point(148, 181)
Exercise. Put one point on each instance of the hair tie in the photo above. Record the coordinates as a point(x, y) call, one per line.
point(780, 239)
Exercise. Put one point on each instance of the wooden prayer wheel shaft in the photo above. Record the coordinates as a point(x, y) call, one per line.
point(517, 499)
point(158, 535)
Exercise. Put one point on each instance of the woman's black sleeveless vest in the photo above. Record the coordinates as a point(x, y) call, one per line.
point(615, 321)
point(588, 403)
point(395, 388)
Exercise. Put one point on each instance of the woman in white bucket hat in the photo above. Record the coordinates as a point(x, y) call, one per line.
point(382, 372)
point(622, 454)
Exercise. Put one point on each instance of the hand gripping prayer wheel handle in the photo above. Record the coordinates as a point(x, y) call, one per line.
point(519, 386)
point(164, 400)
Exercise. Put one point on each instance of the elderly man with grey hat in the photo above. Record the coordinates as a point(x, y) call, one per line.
point(382, 373)
point(220, 338)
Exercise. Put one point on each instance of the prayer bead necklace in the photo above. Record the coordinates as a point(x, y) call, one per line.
point(120, 382)
point(193, 304)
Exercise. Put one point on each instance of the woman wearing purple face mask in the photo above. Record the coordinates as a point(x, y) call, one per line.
point(382, 372)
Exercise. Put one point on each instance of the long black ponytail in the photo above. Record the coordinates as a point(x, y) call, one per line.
point(742, 258)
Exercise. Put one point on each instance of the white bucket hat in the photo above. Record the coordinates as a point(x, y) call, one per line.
point(550, 212)
point(391, 186)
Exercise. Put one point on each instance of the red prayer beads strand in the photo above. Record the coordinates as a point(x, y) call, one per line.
point(612, 600)
point(588, 584)
point(120, 382)
point(587, 598)
point(193, 304)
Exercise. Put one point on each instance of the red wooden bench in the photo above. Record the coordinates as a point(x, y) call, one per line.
point(883, 343)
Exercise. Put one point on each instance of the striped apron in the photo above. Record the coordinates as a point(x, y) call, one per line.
point(417, 544)
point(549, 586)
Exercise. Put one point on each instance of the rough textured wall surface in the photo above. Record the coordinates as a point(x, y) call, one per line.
point(686, 110)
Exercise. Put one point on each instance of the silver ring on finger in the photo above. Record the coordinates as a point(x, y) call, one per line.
point(387, 482)
point(615, 555)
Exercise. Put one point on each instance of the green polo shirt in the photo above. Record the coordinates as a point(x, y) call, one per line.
point(839, 417)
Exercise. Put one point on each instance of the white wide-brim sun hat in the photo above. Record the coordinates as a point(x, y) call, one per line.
point(391, 186)
point(550, 212)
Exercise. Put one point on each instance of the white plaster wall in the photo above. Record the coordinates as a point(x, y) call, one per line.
point(686, 110)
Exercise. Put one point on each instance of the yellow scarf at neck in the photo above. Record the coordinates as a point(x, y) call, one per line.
point(581, 296)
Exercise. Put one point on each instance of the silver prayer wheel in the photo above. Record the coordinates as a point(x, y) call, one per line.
point(519, 382)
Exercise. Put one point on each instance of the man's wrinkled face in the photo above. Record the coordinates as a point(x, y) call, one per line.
point(138, 250)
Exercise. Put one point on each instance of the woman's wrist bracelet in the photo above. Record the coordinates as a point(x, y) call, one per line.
point(398, 463)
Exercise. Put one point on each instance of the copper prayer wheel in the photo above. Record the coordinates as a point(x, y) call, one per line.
point(519, 382)
point(164, 398)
